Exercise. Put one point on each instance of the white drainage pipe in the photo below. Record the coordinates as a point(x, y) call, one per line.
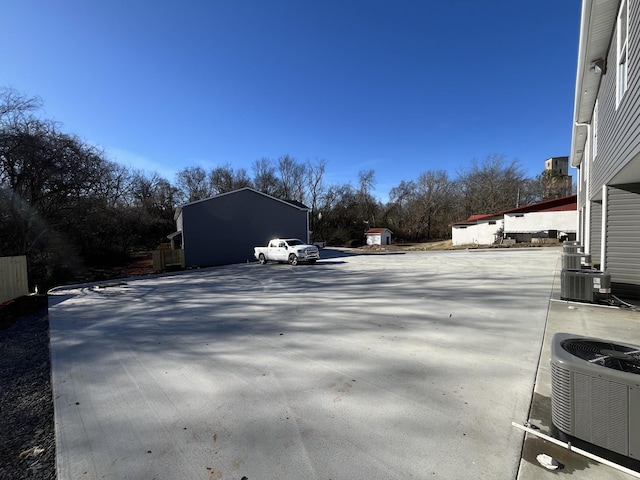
point(579, 451)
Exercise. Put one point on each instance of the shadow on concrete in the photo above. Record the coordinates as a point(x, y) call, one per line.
point(409, 357)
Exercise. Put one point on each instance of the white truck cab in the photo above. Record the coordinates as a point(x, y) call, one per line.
point(291, 250)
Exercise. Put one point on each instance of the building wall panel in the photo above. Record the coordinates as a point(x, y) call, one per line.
point(13, 278)
point(623, 232)
point(480, 234)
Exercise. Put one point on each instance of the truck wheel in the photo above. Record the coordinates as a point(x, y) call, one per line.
point(262, 259)
point(293, 259)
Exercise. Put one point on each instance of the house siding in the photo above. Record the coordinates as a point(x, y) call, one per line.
point(618, 129)
point(612, 176)
point(225, 229)
point(623, 232)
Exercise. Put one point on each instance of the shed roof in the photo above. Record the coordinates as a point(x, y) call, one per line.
point(377, 231)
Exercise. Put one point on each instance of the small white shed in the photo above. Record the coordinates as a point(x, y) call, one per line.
point(378, 236)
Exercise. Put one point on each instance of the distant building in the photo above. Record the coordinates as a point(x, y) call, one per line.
point(555, 219)
point(557, 164)
point(557, 181)
point(378, 236)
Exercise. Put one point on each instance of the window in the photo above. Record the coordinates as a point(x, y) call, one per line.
point(492, 222)
point(623, 43)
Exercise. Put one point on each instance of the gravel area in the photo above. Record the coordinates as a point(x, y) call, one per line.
point(27, 437)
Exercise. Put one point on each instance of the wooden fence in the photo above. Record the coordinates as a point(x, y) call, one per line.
point(13, 278)
point(167, 259)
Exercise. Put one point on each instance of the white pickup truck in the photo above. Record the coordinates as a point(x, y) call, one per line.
point(289, 250)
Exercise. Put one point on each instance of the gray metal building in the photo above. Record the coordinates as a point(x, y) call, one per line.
point(224, 229)
point(605, 145)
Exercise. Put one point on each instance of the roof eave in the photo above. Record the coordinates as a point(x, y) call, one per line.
point(596, 30)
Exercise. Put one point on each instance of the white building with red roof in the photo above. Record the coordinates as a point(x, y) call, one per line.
point(555, 218)
point(378, 236)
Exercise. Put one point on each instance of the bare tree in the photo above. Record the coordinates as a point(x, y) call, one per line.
point(551, 184)
point(341, 221)
point(193, 184)
point(315, 191)
point(292, 177)
point(367, 204)
point(435, 193)
point(16, 108)
point(64, 204)
point(224, 179)
point(265, 178)
point(400, 210)
point(492, 185)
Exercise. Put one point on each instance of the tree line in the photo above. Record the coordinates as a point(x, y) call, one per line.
point(67, 207)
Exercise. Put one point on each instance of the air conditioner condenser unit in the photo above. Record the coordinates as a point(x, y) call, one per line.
point(576, 261)
point(595, 392)
point(572, 247)
point(585, 285)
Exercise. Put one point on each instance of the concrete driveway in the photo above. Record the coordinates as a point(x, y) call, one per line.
point(407, 365)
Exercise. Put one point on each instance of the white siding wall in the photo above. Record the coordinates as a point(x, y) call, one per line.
point(379, 239)
point(479, 234)
point(538, 221)
point(373, 240)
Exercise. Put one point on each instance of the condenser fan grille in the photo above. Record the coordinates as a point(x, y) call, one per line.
point(609, 355)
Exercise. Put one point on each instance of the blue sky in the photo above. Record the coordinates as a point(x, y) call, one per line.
point(400, 87)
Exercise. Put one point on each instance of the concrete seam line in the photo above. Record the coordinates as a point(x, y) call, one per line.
point(544, 334)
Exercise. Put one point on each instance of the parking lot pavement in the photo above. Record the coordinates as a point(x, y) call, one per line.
point(405, 365)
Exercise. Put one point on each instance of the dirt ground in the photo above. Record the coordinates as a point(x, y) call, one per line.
point(445, 245)
point(27, 443)
point(140, 264)
point(17, 308)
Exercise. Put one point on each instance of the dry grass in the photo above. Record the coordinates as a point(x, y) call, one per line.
point(445, 245)
point(438, 245)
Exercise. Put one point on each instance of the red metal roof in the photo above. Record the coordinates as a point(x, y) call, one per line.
point(377, 231)
point(564, 204)
point(474, 218)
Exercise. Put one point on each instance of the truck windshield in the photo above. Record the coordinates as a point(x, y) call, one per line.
point(295, 241)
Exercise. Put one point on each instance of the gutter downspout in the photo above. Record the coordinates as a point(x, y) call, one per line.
point(580, 219)
point(586, 162)
point(603, 232)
